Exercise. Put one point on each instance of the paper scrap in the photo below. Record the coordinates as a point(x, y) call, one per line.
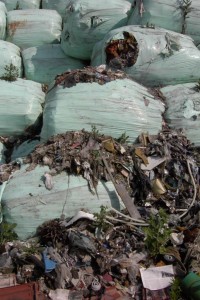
point(152, 163)
point(157, 278)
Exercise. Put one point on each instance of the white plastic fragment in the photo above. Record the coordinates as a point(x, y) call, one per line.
point(59, 294)
point(48, 181)
point(177, 238)
point(157, 278)
point(78, 216)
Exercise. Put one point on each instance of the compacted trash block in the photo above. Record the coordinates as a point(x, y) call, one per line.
point(34, 27)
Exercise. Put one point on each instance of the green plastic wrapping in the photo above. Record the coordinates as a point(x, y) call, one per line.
point(59, 5)
point(21, 151)
point(21, 4)
point(27, 202)
point(114, 108)
point(20, 105)
point(183, 109)
point(164, 58)
point(169, 14)
point(10, 54)
point(34, 27)
point(43, 63)
point(2, 188)
point(87, 21)
point(3, 13)
point(2, 157)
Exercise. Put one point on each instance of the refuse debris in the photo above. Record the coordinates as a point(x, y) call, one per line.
point(122, 53)
point(99, 175)
point(191, 286)
point(33, 27)
point(149, 55)
point(86, 23)
point(107, 101)
point(107, 252)
point(23, 291)
point(157, 278)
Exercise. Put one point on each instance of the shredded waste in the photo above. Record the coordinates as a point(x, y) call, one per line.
point(111, 254)
point(89, 74)
point(122, 53)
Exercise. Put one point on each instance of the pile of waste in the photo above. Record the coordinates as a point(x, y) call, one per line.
point(89, 74)
point(113, 254)
point(99, 150)
point(124, 51)
point(158, 171)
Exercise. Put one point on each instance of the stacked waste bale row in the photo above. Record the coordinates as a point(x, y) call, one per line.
point(41, 39)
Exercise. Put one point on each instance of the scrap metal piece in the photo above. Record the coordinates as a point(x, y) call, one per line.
point(128, 202)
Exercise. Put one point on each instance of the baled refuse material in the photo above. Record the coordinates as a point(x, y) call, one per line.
point(59, 5)
point(183, 109)
point(43, 63)
point(33, 27)
point(108, 100)
point(21, 4)
point(86, 22)
point(2, 149)
point(10, 55)
point(152, 56)
point(3, 13)
point(20, 106)
point(179, 16)
point(28, 202)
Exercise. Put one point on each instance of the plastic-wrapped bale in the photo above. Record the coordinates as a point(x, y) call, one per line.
point(34, 27)
point(43, 63)
point(21, 151)
point(152, 56)
point(113, 103)
point(180, 16)
point(28, 203)
point(183, 109)
point(20, 106)
point(87, 21)
point(3, 13)
point(59, 5)
point(21, 4)
point(10, 58)
point(2, 157)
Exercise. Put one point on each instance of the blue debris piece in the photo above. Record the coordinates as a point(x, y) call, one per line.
point(48, 263)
